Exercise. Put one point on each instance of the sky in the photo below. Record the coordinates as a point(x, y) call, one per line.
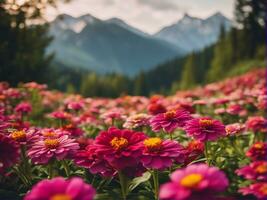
point(147, 15)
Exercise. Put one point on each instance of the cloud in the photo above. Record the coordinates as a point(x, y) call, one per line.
point(147, 15)
point(160, 4)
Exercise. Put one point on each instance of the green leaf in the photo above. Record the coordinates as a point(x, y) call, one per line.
point(138, 180)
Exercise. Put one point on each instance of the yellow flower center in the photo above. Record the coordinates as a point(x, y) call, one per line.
point(49, 134)
point(61, 197)
point(258, 146)
point(18, 135)
point(263, 189)
point(170, 114)
point(205, 122)
point(191, 181)
point(119, 143)
point(261, 169)
point(51, 143)
point(153, 143)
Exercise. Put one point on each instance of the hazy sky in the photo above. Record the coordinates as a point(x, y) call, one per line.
point(147, 15)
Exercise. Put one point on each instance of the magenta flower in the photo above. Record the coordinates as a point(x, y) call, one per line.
point(60, 189)
point(205, 129)
point(195, 182)
point(87, 158)
point(170, 120)
point(120, 148)
point(75, 105)
point(254, 171)
point(48, 148)
point(160, 154)
point(257, 189)
point(23, 108)
point(9, 152)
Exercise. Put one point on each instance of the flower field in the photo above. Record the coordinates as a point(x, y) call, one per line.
point(204, 144)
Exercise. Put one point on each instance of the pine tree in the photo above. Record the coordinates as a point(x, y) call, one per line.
point(22, 44)
point(189, 71)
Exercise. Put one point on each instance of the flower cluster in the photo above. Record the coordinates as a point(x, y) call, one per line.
point(53, 144)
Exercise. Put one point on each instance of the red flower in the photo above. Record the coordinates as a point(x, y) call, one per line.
point(9, 152)
point(258, 189)
point(258, 151)
point(120, 148)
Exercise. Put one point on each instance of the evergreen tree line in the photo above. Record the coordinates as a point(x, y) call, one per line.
point(23, 58)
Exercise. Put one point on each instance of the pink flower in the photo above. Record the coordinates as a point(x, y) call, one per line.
point(60, 189)
point(205, 129)
point(257, 189)
point(170, 120)
point(257, 124)
point(195, 182)
point(60, 115)
point(75, 105)
point(41, 152)
point(120, 148)
point(160, 154)
point(26, 136)
point(234, 129)
point(9, 152)
point(194, 150)
point(236, 109)
point(137, 120)
point(23, 108)
point(254, 171)
point(88, 158)
point(258, 151)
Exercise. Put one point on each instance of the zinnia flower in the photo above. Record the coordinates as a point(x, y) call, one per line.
point(205, 129)
point(26, 136)
point(136, 121)
point(195, 182)
point(9, 152)
point(23, 108)
point(254, 171)
point(88, 158)
point(258, 151)
point(257, 124)
point(119, 147)
point(160, 154)
point(60, 115)
point(234, 129)
point(194, 150)
point(257, 189)
point(60, 189)
point(48, 148)
point(170, 120)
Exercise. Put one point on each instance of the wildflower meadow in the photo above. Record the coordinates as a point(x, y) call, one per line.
point(202, 144)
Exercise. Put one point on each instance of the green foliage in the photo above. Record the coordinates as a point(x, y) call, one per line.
point(189, 72)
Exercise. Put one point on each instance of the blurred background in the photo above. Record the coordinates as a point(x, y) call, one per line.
point(109, 48)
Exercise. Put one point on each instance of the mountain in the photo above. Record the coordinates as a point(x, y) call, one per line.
point(107, 46)
point(193, 34)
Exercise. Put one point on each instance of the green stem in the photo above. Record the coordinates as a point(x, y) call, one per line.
point(155, 177)
point(171, 136)
point(206, 152)
point(51, 169)
point(25, 163)
point(124, 185)
point(66, 167)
